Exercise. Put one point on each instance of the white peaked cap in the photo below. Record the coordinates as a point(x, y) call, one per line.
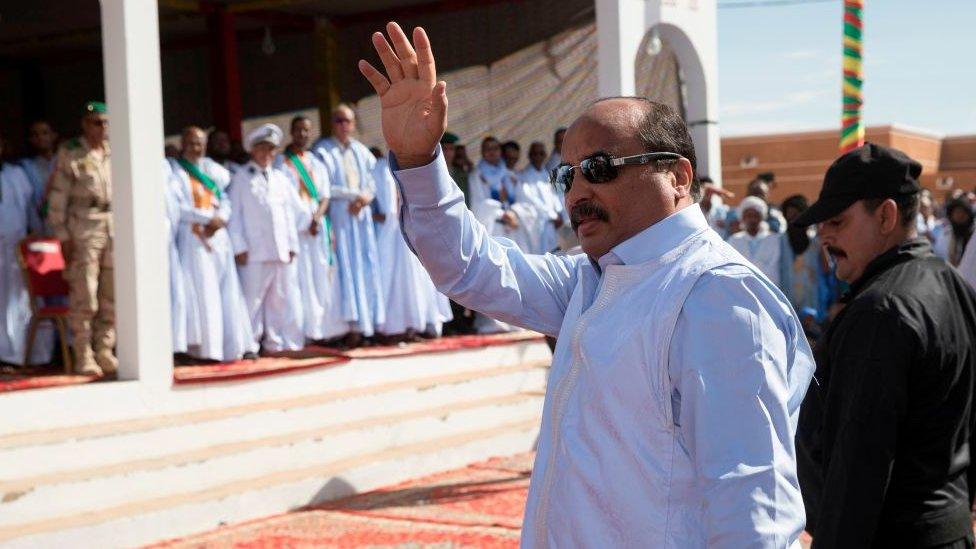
point(264, 133)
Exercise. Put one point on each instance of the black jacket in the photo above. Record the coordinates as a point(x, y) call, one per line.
point(883, 444)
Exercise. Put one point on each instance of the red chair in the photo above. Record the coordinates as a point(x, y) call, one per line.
point(42, 264)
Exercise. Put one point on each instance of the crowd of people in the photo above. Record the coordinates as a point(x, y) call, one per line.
point(273, 245)
point(276, 245)
point(793, 258)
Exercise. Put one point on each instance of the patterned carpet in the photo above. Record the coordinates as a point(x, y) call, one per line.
point(479, 506)
point(40, 377)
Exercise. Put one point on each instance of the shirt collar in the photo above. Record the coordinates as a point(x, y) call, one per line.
point(910, 249)
point(656, 240)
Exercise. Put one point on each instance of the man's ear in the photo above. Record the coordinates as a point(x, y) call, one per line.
point(683, 176)
point(888, 216)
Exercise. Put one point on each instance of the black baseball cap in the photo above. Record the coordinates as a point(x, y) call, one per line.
point(870, 171)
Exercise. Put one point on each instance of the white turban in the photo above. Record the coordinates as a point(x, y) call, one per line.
point(753, 203)
point(265, 133)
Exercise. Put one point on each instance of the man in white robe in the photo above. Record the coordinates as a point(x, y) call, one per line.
point(411, 302)
point(535, 188)
point(675, 388)
point(494, 200)
point(44, 142)
point(265, 238)
point(177, 291)
point(17, 218)
point(217, 325)
point(351, 168)
point(762, 247)
point(320, 292)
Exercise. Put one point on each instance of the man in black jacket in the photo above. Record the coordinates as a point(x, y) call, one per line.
point(884, 434)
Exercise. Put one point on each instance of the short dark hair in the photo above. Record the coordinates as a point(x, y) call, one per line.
point(663, 130)
point(511, 145)
point(297, 119)
point(797, 201)
point(489, 139)
point(907, 207)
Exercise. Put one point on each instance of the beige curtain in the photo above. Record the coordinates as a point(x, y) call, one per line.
point(527, 95)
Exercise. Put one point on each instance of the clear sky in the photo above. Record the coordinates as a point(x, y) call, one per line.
point(780, 67)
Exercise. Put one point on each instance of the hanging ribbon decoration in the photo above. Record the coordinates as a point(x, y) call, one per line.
point(852, 125)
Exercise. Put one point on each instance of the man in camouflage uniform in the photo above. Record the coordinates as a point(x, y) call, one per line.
point(80, 216)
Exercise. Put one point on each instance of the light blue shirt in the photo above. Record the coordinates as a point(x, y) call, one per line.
point(738, 367)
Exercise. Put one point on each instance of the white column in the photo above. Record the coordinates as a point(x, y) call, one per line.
point(620, 29)
point(130, 45)
point(691, 30)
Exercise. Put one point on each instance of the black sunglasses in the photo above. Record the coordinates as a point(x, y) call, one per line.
point(602, 167)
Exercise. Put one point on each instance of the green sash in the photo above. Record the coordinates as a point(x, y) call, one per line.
point(327, 227)
point(314, 193)
point(195, 172)
point(306, 178)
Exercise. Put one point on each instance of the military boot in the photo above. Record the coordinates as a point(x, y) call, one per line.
point(85, 362)
point(107, 362)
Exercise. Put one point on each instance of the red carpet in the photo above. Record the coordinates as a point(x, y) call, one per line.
point(444, 344)
point(479, 506)
point(231, 371)
point(37, 377)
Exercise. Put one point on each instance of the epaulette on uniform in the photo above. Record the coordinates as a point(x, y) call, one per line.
point(251, 170)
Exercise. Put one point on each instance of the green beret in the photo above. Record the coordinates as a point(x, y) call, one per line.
point(95, 107)
point(449, 138)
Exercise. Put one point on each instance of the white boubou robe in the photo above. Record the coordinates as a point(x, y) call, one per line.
point(351, 174)
point(177, 292)
point(318, 278)
point(17, 218)
point(536, 189)
point(217, 325)
point(411, 301)
point(494, 190)
point(38, 171)
point(763, 250)
point(263, 226)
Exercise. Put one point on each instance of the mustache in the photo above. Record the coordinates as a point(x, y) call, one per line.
point(836, 252)
point(586, 210)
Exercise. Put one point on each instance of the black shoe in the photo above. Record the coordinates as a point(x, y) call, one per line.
point(250, 356)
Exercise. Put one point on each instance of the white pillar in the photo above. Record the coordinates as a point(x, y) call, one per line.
point(133, 86)
point(620, 29)
point(691, 30)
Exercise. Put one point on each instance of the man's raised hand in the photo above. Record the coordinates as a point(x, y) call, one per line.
point(414, 102)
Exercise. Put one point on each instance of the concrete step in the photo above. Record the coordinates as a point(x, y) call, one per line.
point(146, 520)
point(73, 491)
point(108, 444)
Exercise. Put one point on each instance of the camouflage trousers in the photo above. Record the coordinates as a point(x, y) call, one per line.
point(91, 297)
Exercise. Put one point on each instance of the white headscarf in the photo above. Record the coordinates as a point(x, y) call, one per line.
point(753, 203)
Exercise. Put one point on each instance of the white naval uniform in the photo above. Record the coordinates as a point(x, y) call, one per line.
point(318, 277)
point(263, 225)
point(411, 301)
point(217, 325)
point(654, 433)
point(17, 218)
point(535, 188)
